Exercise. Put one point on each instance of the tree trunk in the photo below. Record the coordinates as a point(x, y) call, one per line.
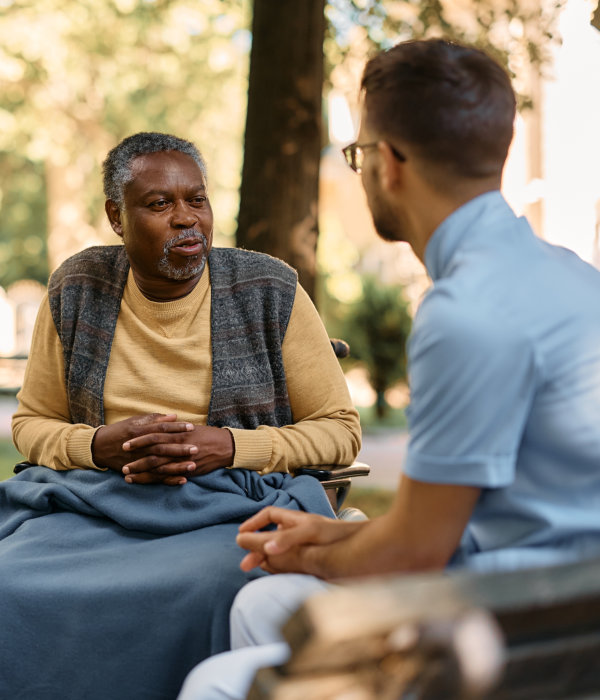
point(280, 176)
point(381, 405)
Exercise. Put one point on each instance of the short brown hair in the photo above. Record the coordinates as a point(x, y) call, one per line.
point(453, 103)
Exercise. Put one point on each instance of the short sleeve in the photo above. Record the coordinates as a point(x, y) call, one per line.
point(472, 376)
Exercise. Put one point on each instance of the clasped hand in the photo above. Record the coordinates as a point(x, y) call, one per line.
point(157, 448)
point(301, 543)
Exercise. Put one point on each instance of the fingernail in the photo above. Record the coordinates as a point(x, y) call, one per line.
point(191, 467)
point(126, 445)
point(129, 479)
point(182, 481)
point(125, 470)
point(193, 450)
point(271, 547)
point(189, 426)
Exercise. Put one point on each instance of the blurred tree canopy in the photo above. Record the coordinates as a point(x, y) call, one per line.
point(76, 76)
point(23, 249)
point(283, 137)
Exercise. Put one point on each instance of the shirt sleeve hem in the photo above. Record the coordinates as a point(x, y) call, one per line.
point(253, 449)
point(79, 448)
point(477, 470)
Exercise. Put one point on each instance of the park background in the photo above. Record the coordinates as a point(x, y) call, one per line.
point(269, 92)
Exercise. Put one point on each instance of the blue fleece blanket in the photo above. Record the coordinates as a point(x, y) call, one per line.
point(112, 591)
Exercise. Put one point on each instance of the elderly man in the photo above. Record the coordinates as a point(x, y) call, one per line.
point(502, 465)
point(172, 390)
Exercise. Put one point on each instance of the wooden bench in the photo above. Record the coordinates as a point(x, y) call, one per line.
point(507, 636)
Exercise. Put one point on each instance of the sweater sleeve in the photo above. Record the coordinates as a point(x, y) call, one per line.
point(326, 428)
point(41, 426)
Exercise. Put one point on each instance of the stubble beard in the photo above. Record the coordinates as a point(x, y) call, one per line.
point(193, 267)
point(386, 222)
point(387, 233)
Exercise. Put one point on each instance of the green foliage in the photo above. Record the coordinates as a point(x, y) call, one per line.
point(372, 424)
point(377, 328)
point(373, 502)
point(331, 310)
point(23, 220)
point(8, 458)
point(76, 77)
point(515, 33)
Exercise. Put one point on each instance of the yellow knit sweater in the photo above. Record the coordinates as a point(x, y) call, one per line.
point(161, 361)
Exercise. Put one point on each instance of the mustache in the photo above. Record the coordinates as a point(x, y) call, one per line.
point(190, 234)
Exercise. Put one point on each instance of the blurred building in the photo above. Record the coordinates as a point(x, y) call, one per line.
point(18, 310)
point(24, 298)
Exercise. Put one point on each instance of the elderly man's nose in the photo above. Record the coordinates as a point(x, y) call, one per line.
point(183, 216)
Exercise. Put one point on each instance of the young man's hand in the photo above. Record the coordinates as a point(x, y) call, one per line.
point(294, 545)
point(420, 532)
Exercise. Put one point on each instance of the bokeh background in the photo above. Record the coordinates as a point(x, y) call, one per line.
point(76, 76)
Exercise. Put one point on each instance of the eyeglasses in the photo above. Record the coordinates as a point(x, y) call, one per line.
point(355, 154)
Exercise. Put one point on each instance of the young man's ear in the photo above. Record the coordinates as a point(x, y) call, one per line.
point(391, 168)
point(114, 216)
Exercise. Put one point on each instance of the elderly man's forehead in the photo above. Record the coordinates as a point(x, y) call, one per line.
point(162, 169)
point(156, 160)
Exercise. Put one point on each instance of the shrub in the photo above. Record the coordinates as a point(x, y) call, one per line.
point(377, 327)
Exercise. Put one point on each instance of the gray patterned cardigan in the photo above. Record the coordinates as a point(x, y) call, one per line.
point(252, 296)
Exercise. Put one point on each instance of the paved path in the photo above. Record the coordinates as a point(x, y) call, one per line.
point(384, 451)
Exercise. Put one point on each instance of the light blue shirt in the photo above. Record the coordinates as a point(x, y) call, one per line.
point(504, 369)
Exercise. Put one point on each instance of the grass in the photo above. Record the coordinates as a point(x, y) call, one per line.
point(8, 458)
point(372, 502)
point(369, 422)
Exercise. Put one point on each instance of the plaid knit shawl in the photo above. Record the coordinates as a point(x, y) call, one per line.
point(252, 296)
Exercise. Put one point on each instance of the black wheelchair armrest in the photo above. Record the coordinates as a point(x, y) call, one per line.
point(21, 466)
point(340, 347)
point(336, 479)
point(330, 472)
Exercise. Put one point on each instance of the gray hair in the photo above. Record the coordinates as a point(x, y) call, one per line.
point(116, 168)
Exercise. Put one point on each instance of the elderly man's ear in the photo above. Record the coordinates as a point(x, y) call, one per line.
point(114, 216)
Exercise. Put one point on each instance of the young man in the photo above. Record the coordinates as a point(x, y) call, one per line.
point(171, 391)
point(504, 364)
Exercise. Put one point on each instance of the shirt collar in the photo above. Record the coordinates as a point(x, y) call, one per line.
point(448, 236)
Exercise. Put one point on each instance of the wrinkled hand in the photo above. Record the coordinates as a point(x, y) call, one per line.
point(157, 448)
point(296, 546)
point(169, 455)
